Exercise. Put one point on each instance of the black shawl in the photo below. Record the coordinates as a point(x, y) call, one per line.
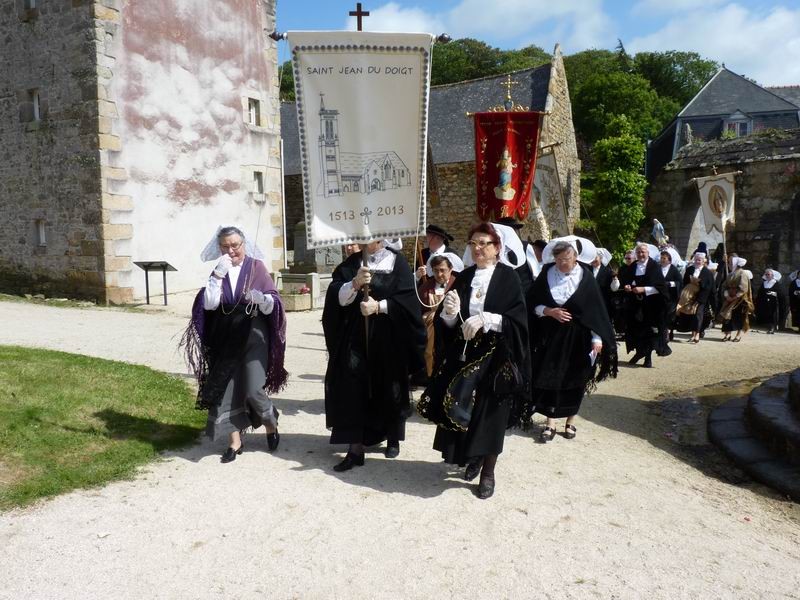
point(560, 351)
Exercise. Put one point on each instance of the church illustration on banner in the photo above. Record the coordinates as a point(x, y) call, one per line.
point(350, 172)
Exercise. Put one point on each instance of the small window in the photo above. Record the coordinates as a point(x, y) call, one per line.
point(37, 109)
point(253, 111)
point(258, 182)
point(41, 233)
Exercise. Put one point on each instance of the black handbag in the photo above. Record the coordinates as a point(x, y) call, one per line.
point(459, 400)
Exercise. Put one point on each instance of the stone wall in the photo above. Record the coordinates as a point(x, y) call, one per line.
point(767, 229)
point(50, 167)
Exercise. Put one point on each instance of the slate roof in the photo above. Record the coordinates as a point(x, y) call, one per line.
point(787, 92)
point(752, 148)
point(726, 92)
point(450, 132)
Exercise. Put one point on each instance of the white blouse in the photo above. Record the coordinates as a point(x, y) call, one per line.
point(477, 299)
point(562, 286)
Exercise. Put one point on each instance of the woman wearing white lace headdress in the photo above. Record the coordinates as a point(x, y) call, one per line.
point(771, 302)
point(236, 342)
point(737, 303)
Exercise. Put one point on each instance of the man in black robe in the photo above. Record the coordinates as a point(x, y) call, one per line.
point(645, 302)
point(367, 396)
point(674, 283)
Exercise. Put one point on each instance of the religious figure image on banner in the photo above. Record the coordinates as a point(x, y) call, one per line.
point(506, 144)
point(362, 102)
point(717, 200)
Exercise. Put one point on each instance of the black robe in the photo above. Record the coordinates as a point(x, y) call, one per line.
point(367, 393)
point(524, 270)
point(604, 278)
point(674, 283)
point(771, 307)
point(704, 298)
point(644, 314)
point(794, 301)
point(500, 402)
point(561, 370)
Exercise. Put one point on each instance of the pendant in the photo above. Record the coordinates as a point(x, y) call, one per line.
point(479, 293)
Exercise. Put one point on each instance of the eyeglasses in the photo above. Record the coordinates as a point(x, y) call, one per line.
point(229, 247)
point(480, 245)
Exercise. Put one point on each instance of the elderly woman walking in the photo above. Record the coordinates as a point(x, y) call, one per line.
point(737, 304)
point(236, 342)
point(479, 383)
point(572, 340)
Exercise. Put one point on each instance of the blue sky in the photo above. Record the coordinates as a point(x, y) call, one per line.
point(757, 38)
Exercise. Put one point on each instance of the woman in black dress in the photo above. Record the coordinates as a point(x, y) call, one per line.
point(694, 312)
point(572, 340)
point(771, 302)
point(674, 282)
point(366, 385)
point(478, 388)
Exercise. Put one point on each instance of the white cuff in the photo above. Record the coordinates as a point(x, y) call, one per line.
point(596, 339)
point(213, 293)
point(449, 320)
point(347, 294)
point(383, 307)
point(671, 284)
point(539, 310)
point(492, 322)
point(649, 290)
point(614, 284)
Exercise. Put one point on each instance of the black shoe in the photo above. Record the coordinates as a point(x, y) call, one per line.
point(392, 450)
point(648, 363)
point(230, 454)
point(548, 435)
point(350, 461)
point(570, 432)
point(273, 439)
point(486, 488)
point(636, 358)
point(473, 470)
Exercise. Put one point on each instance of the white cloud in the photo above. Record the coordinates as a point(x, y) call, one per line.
point(763, 46)
point(660, 7)
point(393, 17)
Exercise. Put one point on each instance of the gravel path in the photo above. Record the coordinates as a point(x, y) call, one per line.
point(620, 512)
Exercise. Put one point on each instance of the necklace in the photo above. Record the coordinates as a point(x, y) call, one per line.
point(239, 299)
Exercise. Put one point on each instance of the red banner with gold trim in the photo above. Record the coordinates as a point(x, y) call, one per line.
point(506, 144)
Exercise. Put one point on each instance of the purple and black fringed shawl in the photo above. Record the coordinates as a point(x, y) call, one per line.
point(194, 341)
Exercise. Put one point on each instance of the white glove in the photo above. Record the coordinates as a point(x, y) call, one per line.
point(223, 266)
point(370, 306)
point(472, 326)
point(265, 302)
point(452, 303)
point(363, 277)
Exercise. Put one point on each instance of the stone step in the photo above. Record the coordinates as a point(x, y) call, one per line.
point(770, 418)
point(728, 430)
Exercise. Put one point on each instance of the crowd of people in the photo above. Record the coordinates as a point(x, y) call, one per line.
point(508, 329)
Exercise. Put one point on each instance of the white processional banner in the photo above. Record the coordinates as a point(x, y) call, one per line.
point(717, 200)
point(362, 106)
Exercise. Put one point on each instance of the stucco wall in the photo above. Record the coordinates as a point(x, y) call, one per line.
point(181, 150)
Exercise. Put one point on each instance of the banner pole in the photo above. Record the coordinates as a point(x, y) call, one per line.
point(365, 290)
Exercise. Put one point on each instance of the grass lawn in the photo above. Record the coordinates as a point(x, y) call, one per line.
point(69, 421)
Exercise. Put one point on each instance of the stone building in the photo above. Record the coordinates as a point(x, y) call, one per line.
point(451, 191)
point(767, 201)
point(129, 129)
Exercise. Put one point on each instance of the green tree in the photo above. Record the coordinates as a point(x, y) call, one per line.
point(673, 74)
point(467, 58)
point(524, 58)
point(618, 186)
point(605, 95)
point(583, 65)
point(287, 82)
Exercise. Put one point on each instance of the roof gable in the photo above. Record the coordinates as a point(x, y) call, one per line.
point(790, 93)
point(726, 92)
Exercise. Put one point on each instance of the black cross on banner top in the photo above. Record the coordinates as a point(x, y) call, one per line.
point(358, 14)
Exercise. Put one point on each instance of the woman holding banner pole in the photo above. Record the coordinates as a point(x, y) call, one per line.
point(373, 343)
